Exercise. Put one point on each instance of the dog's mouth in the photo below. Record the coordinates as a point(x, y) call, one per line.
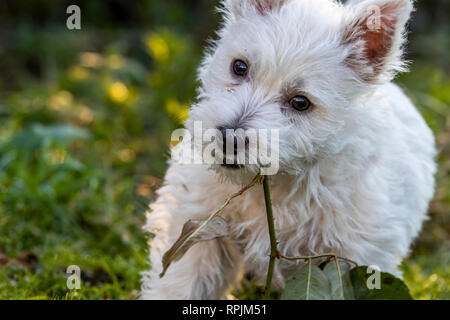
point(232, 166)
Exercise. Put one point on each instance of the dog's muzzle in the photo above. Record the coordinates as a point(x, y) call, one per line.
point(232, 147)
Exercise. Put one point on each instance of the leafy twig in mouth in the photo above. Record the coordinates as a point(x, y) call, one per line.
point(273, 240)
point(274, 253)
point(325, 255)
point(195, 231)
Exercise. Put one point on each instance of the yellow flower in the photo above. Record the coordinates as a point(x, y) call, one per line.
point(118, 92)
point(91, 60)
point(78, 73)
point(158, 47)
point(86, 115)
point(61, 100)
point(126, 155)
point(177, 110)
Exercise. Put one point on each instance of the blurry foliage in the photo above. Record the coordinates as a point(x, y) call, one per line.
point(85, 119)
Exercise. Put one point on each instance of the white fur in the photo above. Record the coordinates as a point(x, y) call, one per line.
point(356, 172)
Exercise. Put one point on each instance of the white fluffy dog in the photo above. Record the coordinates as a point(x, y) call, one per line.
point(356, 159)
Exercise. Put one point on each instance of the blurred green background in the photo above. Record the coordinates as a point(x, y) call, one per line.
point(85, 120)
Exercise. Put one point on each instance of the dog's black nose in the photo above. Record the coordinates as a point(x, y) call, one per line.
point(228, 135)
point(234, 143)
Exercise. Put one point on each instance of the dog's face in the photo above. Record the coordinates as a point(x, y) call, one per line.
point(300, 67)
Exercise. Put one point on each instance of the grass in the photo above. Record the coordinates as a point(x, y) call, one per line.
point(427, 270)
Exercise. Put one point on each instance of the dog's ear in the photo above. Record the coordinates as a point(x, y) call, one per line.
point(239, 7)
point(374, 31)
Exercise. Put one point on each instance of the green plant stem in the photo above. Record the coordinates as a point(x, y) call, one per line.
point(273, 240)
point(274, 253)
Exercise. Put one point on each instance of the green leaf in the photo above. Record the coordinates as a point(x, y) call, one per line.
point(37, 135)
point(309, 283)
point(339, 275)
point(193, 232)
point(390, 287)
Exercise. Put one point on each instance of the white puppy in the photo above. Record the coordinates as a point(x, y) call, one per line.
point(356, 159)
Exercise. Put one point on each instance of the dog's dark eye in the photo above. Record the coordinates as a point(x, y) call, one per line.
point(240, 68)
point(300, 103)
